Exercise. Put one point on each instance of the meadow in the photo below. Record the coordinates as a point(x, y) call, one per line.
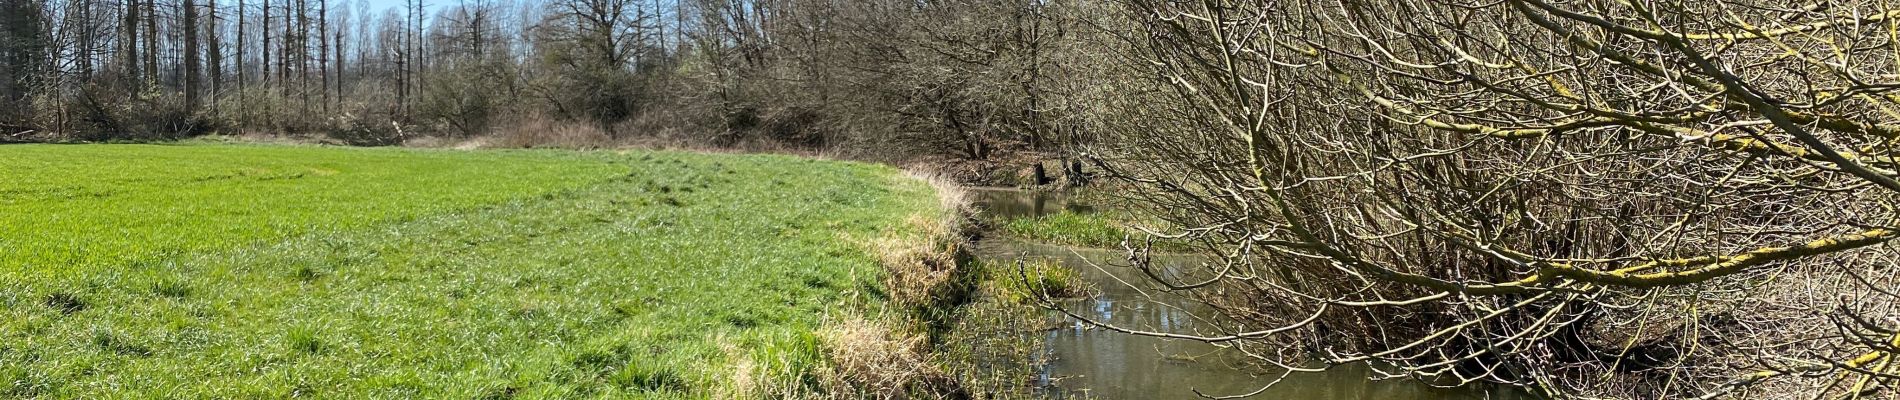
point(212, 271)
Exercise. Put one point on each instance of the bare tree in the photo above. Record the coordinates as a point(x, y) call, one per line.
point(188, 15)
point(263, 48)
point(214, 47)
point(237, 62)
point(323, 52)
point(965, 79)
point(129, 41)
point(151, 42)
point(1628, 199)
point(23, 47)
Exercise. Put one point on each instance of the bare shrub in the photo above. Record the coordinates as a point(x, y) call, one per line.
point(1627, 199)
point(150, 115)
point(542, 131)
point(362, 128)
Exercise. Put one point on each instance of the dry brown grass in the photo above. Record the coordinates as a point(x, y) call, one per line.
point(538, 131)
point(917, 272)
point(542, 131)
point(870, 359)
point(924, 263)
point(888, 359)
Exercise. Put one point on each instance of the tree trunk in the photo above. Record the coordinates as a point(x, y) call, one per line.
point(22, 44)
point(402, 60)
point(336, 42)
point(420, 73)
point(237, 61)
point(87, 40)
point(283, 50)
point(188, 15)
point(130, 46)
point(214, 52)
point(151, 42)
point(323, 52)
point(303, 53)
point(264, 49)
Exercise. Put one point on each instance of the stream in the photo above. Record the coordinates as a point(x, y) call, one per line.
point(1083, 361)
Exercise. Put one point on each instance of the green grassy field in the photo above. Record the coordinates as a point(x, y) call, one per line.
point(255, 271)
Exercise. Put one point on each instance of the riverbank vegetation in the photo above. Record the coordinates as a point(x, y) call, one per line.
point(1111, 228)
point(996, 344)
point(235, 271)
point(1069, 228)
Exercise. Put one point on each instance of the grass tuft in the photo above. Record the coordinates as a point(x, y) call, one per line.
point(601, 361)
point(502, 393)
point(1022, 283)
point(65, 303)
point(172, 288)
point(1107, 229)
point(1068, 228)
point(305, 273)
point(645, 379)
point(304, 340)
point(118, 344)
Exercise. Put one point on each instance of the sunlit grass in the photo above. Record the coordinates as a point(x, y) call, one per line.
point(1100, 229)
point(1068, 228)
point(1025, 282)
point(64, 206)
point(237, 272)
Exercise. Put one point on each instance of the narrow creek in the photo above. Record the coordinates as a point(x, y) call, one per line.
point(1082, 361)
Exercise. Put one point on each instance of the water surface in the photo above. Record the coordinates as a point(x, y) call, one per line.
point(1084, 361)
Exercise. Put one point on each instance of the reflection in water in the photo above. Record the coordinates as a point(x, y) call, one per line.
point(1087, 362)
point(1011, 203)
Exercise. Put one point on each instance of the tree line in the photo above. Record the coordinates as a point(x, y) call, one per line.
point(958, 78)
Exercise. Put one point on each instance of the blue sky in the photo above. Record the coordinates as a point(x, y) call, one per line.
point(377, 6)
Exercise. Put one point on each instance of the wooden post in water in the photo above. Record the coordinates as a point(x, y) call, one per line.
point(1072, 170)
